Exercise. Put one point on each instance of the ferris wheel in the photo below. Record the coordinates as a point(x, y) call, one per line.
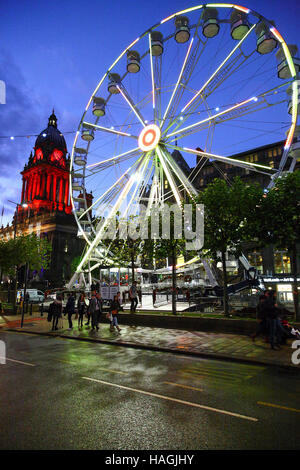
point(203, 84)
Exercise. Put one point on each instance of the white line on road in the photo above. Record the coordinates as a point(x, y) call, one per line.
point(20, 362)
point(196, 405)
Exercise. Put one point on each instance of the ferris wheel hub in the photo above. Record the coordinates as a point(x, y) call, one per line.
point(149, 137)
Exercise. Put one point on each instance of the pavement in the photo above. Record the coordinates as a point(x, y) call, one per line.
point(232, 347)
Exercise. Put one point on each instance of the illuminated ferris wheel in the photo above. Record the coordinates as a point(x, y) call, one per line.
point(206, 83)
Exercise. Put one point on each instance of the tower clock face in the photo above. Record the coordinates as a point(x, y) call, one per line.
point(38, 155)
point(57, 156)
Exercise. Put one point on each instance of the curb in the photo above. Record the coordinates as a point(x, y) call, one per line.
point(205, 355)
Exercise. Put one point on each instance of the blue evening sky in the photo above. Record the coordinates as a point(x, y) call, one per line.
point(53, 54)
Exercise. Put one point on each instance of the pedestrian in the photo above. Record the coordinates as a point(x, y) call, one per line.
point(70, 309)
point(133, 297)
point(114, 309)
point(56, 311)
point(99, 306)
point(154, 296)
point(88, 312)
point(81, 309)
point(94, 311)
point(188, 295)
point(272, 312)
point(261, 327)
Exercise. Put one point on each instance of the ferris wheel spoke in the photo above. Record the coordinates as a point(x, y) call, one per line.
point(112, 213)
point(219, 68)
point(179, 173)
point(168, 174)
point(152, 77)
point(103, 164)
point(90, 125)
point(214, 116)
point(140, 175)
point(249, 166)
point(107, 193)
point(177, 83)
point(131, 104)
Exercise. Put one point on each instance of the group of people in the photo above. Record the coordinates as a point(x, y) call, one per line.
point(91, 308)
point(272, 324)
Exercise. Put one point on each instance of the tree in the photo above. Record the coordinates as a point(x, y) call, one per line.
point(280, 222)
point(124, 248)
point(227, 210)
point(30, 250)
point(166, 244)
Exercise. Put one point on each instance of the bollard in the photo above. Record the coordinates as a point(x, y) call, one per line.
point(42, 310)
point(30, 308)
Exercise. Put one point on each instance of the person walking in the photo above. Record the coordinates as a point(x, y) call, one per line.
point(133, 297)
point(70, 309)
point(56, 309)
point(114, 310)
point(81, 309)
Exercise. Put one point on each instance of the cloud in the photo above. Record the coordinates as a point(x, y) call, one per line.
point(21, 115)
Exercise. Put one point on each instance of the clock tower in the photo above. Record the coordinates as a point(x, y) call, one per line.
point(46, 175)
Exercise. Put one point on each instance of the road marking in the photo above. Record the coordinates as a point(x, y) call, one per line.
point(19, 362)
point(184, 386)
point(278, 406)
point(196, 405)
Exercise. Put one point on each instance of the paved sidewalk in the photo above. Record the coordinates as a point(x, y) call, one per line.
point(196, 343)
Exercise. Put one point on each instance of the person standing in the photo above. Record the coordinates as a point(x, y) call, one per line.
point(271, 312)
point(81, 309)
point(133, 297)
point(70, 309)
point(56, 308)
point(154, 296)
point(261, 316)
point(99, 305)
point(94, 311)
point(114, 310)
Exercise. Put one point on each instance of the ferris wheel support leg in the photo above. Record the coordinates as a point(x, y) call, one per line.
point(73, 280)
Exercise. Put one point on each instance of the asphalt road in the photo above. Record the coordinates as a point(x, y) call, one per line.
point(65, 394)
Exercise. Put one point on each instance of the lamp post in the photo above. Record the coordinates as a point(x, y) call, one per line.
point(24, 205)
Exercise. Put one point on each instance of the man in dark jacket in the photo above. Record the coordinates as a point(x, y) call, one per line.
point(70, 309)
